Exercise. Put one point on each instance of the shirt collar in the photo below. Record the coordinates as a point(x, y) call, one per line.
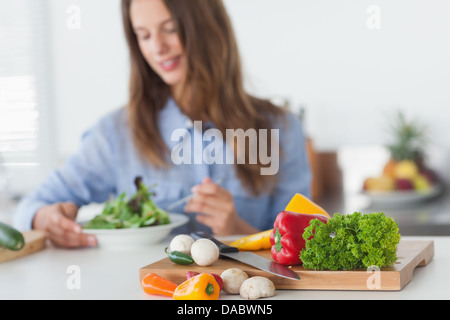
point(172, 118)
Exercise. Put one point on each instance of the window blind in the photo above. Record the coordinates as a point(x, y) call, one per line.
point(24, 98)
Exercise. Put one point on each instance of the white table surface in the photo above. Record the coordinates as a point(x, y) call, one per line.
point(114, 274)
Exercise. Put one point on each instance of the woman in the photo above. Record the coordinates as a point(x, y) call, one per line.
point(185, 69)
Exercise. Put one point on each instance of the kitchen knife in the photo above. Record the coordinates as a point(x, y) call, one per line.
point(249, 258)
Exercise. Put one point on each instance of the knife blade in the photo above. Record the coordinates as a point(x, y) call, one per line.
point(249, 258)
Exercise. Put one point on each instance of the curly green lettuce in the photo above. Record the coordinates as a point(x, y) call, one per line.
point(351, 241)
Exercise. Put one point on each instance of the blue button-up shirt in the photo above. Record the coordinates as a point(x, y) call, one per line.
point(107, 162)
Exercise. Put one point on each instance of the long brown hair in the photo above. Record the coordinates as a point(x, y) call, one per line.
point(214, 74)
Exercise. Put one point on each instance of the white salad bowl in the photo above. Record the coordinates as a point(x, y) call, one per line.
point(137, 237)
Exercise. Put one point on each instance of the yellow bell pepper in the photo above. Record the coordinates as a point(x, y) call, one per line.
point(301, 204)
point(201, 287)
point(254, 242)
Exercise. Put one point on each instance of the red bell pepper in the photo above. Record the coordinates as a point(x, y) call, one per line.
point(287, 236)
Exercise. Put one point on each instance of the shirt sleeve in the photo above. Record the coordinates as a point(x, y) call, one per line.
point(294, 175)
point(86, 177)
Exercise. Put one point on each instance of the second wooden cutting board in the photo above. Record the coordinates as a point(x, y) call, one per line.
point(411, 254)
point(34, 241)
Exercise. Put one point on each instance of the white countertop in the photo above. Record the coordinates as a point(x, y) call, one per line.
point(114, 274)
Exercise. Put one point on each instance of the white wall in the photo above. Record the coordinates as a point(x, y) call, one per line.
point(319, 54)
point(90, 67)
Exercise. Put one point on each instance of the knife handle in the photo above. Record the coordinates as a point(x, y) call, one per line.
point(223, 248)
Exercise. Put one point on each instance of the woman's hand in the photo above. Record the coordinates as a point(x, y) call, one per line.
point(215, 208)
point(58, 222)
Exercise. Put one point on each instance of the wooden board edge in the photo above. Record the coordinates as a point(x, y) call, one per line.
point(421, 260)
point(34, 241)
point(429, 254)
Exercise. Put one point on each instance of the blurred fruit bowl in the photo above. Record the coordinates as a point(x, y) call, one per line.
point(402, 198)
point(405, 175)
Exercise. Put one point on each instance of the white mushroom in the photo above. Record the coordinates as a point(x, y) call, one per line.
point(257, 287)
point(182, 243)
point(232, 280)
point(204, 252)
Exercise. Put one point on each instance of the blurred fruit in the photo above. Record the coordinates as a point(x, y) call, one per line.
point(406, 169)
point(383, 183)
point(421, 183)
point(389, 168)
point(366, 184)
point(430, 175)
point(404, 184)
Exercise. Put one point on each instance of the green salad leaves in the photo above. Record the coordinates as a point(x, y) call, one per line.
point(140, 211)
point(351, 241)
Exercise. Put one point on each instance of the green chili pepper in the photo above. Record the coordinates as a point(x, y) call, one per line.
point(179, 257)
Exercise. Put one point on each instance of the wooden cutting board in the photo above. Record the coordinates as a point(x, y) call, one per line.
point(34, 241)
point(411, 254)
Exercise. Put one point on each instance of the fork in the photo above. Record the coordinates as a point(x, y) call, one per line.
point(177, 203)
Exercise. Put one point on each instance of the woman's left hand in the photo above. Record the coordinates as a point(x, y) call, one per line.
point(215, 208)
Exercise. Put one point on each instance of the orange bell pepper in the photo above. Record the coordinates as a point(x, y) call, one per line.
point(253, 242)
point(154, 284)
point(201, 287)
